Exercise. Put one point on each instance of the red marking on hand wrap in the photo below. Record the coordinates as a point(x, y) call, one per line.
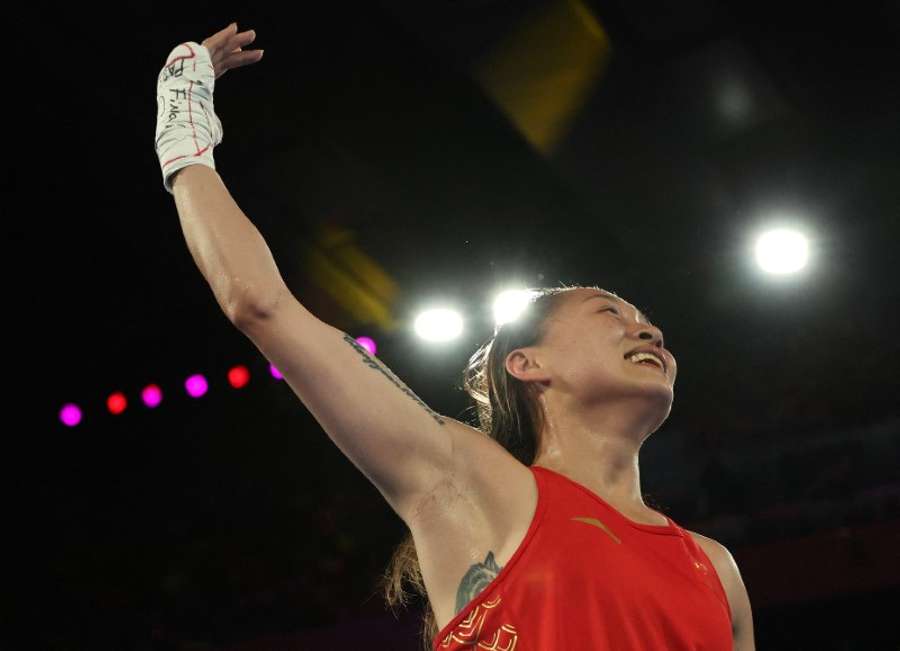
point(193, 54)
point(199, 151)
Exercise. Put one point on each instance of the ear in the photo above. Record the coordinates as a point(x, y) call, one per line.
point(523, 364)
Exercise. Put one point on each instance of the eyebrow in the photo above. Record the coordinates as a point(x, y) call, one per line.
point(615, 299)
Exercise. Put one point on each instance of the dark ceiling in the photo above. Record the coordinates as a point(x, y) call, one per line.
point(708, 120)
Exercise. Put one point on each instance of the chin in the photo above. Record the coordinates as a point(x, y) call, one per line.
point(663, 416)
point(663, 393)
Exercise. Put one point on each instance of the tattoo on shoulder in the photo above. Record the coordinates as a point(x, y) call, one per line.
point(476, 579)
point(375, 366)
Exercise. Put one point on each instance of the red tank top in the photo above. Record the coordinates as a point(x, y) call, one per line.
point(586, 578)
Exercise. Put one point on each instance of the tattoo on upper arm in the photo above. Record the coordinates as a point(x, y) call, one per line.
point(374, 365)
point(476, 579)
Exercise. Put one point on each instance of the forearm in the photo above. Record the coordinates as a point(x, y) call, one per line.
point(228, 249)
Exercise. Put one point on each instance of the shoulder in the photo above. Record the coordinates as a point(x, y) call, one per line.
point(716, 551)
point(726, 566)
point(733, 584)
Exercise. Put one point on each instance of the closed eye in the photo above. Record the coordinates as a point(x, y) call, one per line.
point(610, 308)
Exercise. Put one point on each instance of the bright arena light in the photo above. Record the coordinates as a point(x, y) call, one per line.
point(782, 251)
point(439, 325)
point(509, 305)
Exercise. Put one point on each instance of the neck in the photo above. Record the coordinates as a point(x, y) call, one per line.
point(597, 448)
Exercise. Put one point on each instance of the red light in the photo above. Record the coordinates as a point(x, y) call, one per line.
point(238, 377)
point(116, 403)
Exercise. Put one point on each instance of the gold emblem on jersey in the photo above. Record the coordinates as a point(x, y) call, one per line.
point(468, 632)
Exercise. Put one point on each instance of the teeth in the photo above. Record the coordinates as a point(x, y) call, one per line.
point(638, 357)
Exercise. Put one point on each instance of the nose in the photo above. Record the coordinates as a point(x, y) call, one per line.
point(652, 332)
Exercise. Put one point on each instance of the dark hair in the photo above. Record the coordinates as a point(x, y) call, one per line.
point(508, 411)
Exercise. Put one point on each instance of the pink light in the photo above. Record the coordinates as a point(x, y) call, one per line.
point(238, 377)
point(152, 396)
point(70, 415)
point(196, 386)
point(116, 403)
point(367, 343)
point(275, 373)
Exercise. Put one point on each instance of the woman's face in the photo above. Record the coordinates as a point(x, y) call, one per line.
point(586, 345)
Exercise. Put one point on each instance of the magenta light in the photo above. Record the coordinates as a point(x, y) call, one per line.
point(367, 343)
point(70, 415)
point(275, 373)
point(196, 386)
point(152, 396)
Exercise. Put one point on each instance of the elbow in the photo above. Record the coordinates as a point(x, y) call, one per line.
point(242, 315)
point(249, 309)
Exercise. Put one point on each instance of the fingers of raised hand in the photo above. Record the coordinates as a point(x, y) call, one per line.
point(240, 39)
point(226, 49)
point(238, 58)
point(217, 40)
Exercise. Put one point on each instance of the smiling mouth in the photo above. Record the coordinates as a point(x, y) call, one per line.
point(650, 365)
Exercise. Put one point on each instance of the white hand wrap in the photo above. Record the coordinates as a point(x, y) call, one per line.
point(187, 128)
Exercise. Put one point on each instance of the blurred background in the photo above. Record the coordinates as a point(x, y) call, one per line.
point(732, 169)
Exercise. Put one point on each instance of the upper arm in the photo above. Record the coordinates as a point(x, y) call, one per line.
point(738, 599)
point(392, 436)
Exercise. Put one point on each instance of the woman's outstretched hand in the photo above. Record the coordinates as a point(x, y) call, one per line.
point(226, 49)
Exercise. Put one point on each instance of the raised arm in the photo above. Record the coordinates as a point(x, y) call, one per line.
point(227, 248)
point(397, 441)
point(400, 444)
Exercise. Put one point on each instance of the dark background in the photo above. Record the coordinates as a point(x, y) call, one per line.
point(233, 521)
